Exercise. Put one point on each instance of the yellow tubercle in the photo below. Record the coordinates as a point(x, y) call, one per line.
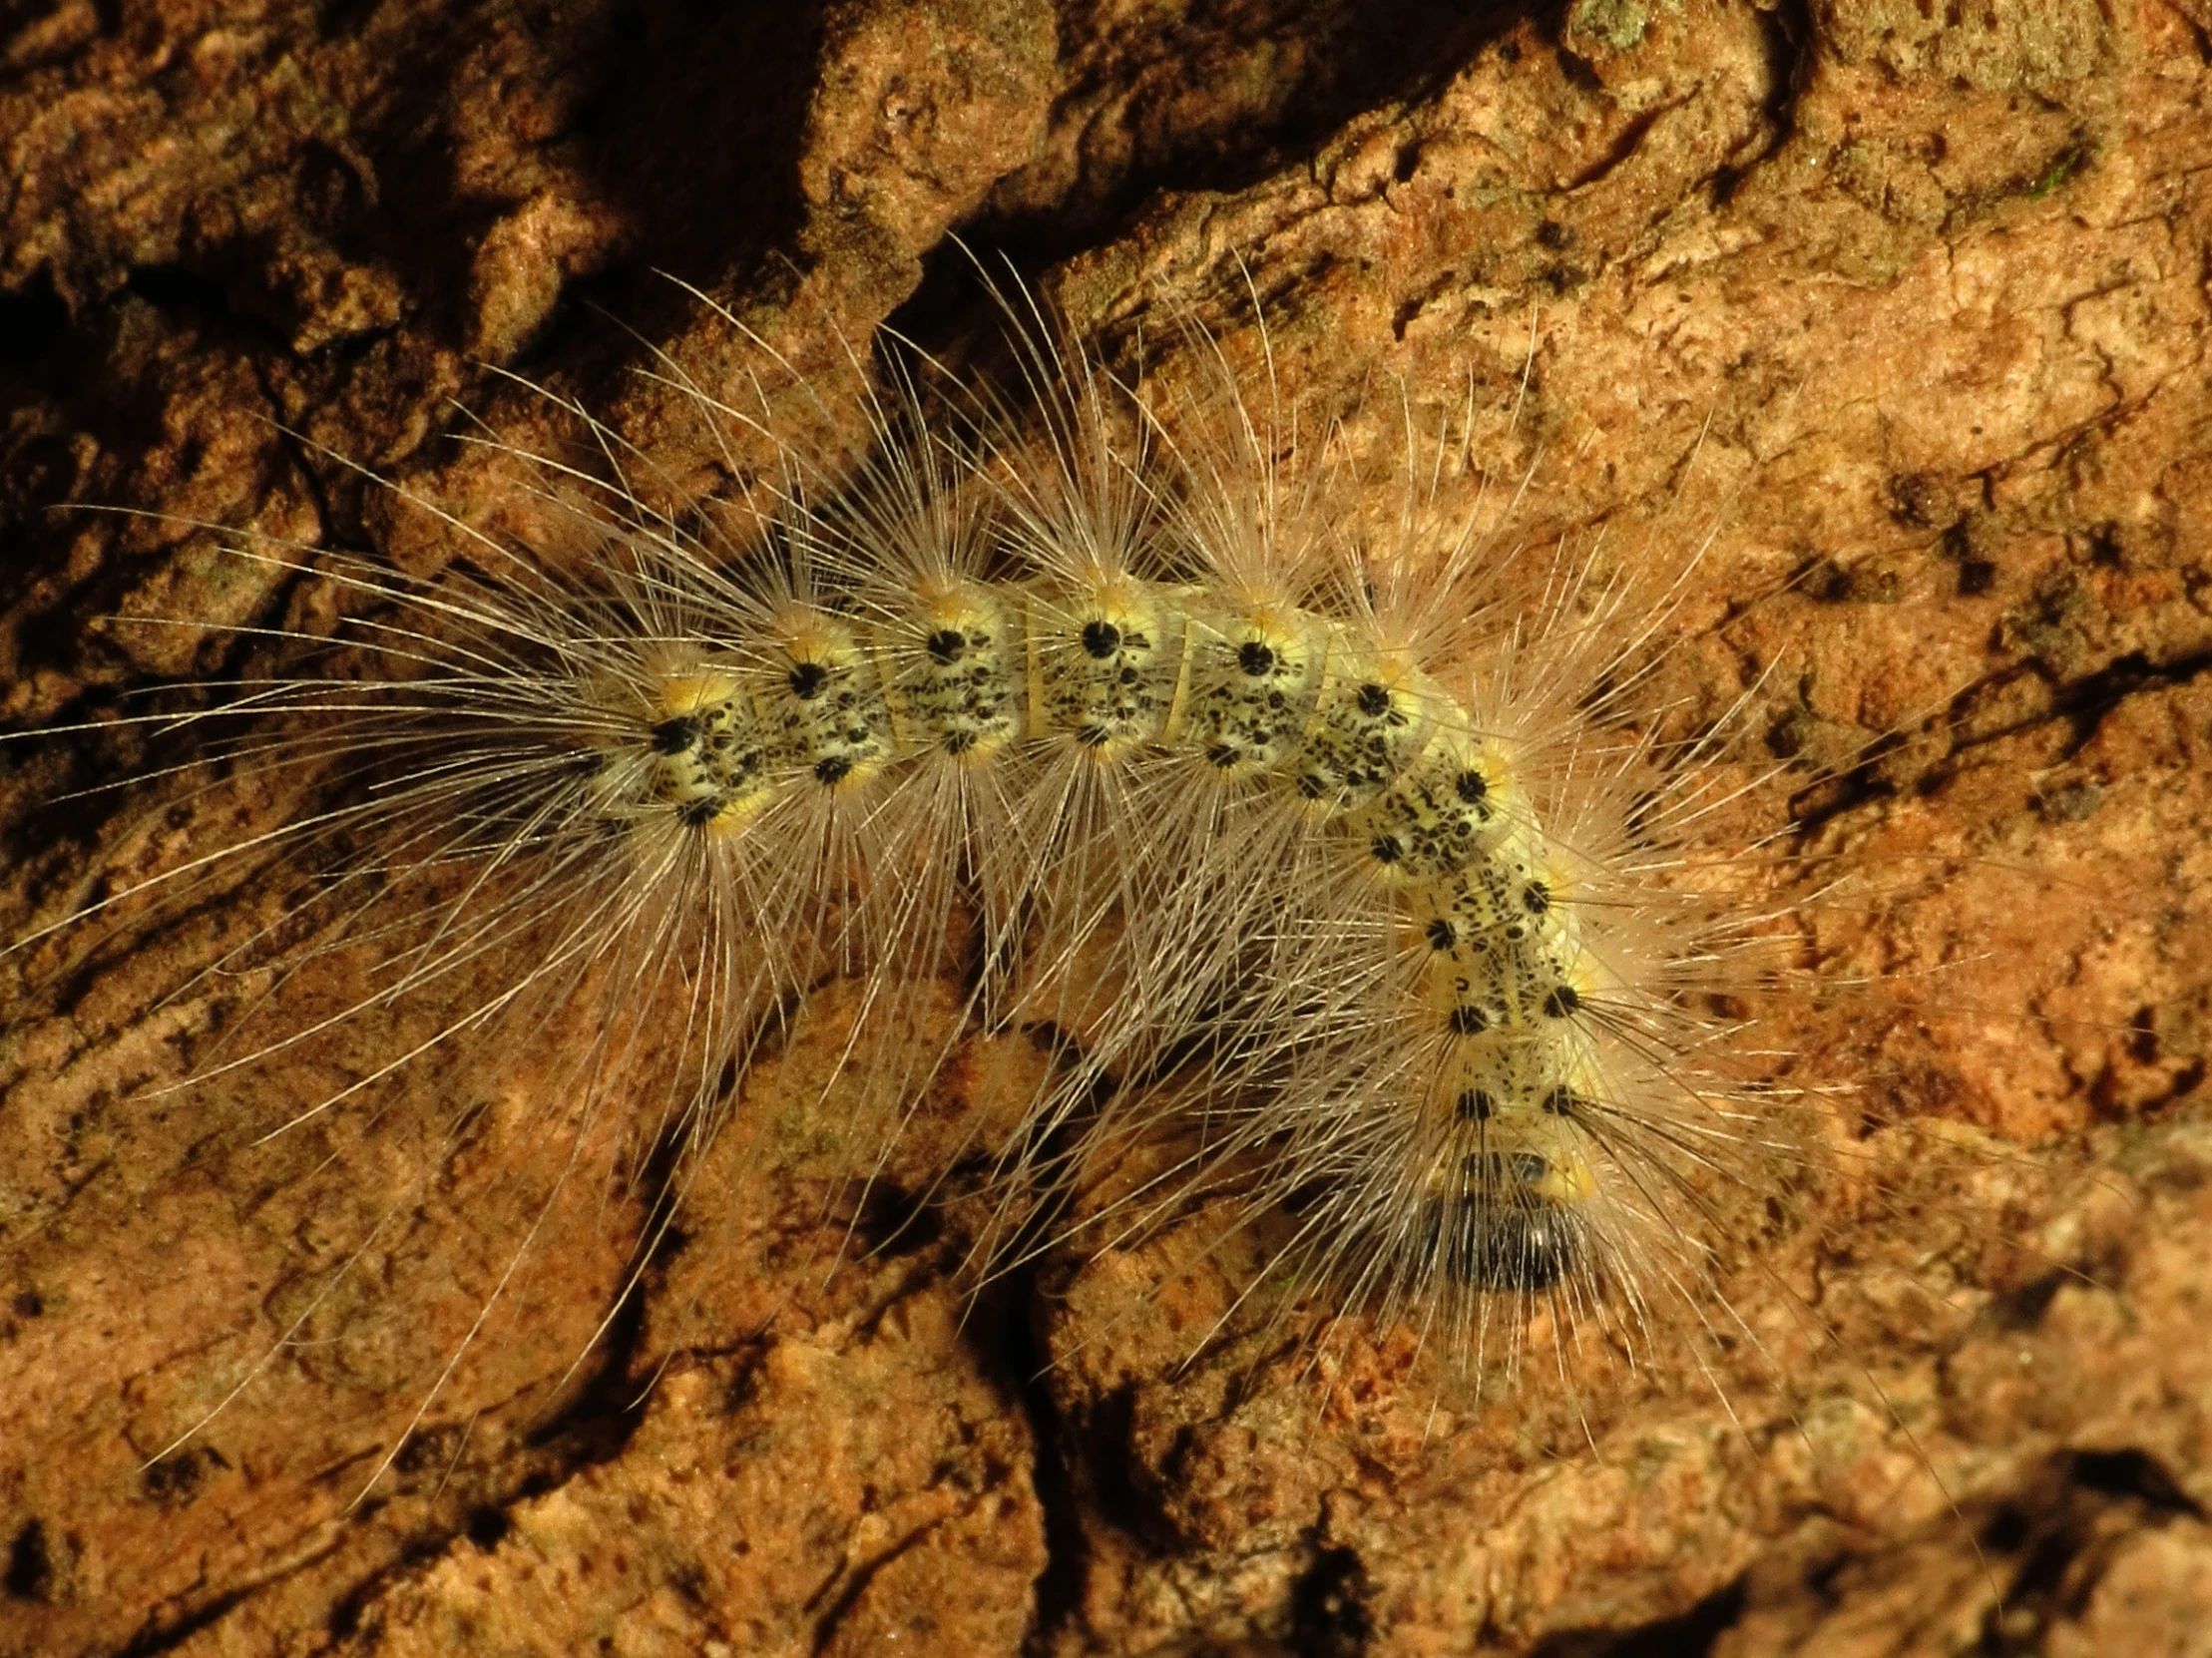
point(690, 691)
point(1566, 1180)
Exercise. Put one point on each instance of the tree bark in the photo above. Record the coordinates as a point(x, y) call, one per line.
point(1901, 314)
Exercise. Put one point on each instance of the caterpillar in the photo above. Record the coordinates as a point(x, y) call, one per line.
point(728, 769)
point(1333, 834)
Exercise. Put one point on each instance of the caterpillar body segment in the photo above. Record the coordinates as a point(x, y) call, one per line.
point(709, 756)
point(1374, 717)
point(1106, 664)
point(955, 678)
point(1252, 684)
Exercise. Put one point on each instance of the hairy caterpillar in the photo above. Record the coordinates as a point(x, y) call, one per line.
point(1148, 711)
point(826, 738)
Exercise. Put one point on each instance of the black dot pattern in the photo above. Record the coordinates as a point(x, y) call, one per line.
point(961, 692)
point(1440, 830)
point(1252, 689)
point(1361, 738)
point(1106, 666)
point(710, 762)
point(828, 721)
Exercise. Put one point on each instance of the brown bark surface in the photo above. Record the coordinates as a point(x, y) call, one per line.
point(1904, 307)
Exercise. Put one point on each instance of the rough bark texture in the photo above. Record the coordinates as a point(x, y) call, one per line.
point(1905, 305)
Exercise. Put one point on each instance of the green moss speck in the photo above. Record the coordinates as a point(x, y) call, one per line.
point(2063, 168)
point(1620, 24)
